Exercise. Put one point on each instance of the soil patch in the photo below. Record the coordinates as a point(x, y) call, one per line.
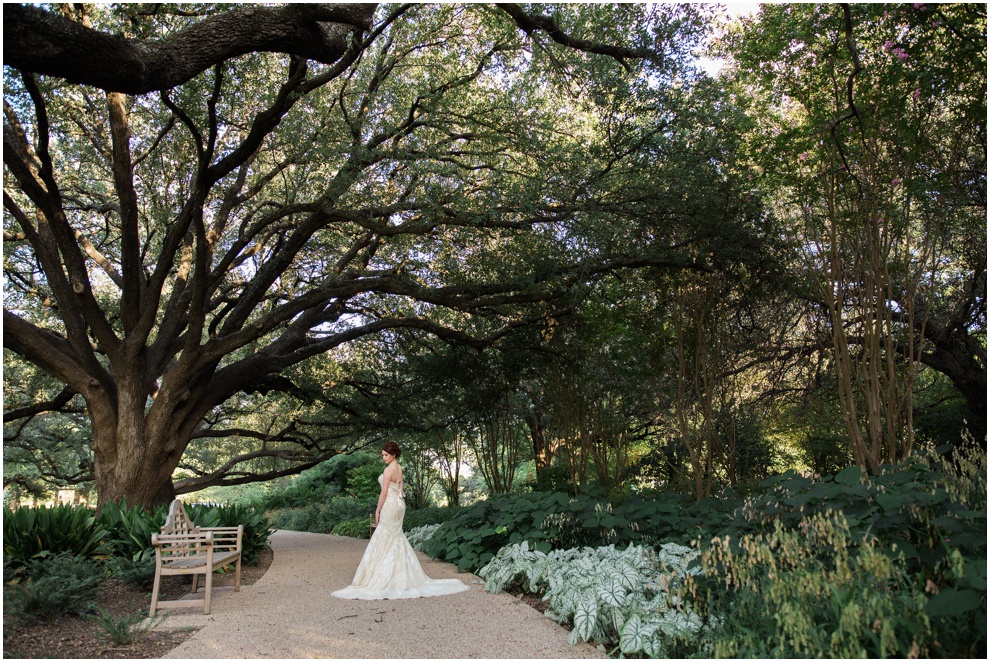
point(77, 637)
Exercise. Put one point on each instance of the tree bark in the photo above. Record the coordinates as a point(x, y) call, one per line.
point(43, 42)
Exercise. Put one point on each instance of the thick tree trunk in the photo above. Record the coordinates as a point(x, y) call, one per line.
point(132, 459)
point(140, 483)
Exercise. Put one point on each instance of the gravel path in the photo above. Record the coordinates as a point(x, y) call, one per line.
point(289, 613)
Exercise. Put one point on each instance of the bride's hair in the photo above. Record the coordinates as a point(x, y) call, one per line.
point(392, 449)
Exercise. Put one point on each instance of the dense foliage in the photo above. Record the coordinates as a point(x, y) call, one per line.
point(49, 588)
point(629, 599)
point(842, 567)
point(35, 534)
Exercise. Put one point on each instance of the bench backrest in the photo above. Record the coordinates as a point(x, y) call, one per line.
point(178, 521)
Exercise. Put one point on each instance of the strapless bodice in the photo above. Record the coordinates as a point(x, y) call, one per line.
point(392, 487)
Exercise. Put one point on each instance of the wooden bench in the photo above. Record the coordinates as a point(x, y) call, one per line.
point(182, 548)
point(373, 524)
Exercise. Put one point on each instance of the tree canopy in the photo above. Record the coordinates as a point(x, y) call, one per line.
point(240, 239)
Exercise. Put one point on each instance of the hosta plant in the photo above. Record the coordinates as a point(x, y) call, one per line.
point(628, 599)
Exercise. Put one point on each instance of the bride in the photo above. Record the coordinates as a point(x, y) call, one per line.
point(389, 568)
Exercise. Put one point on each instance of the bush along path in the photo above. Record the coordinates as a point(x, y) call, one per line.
point(841, 566)
point(77, 585)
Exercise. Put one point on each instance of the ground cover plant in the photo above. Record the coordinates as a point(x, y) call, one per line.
point(104, 632)
point(628, 599)
point(844, 565)
point(814, 591)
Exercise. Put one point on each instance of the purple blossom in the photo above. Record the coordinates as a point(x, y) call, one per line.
point(919, 5)
point(916, 94)
point(803, 156)
point(900, 53)
point(897, 180)
point(887, 45)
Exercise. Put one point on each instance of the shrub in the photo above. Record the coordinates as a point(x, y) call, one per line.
point(36, 533)
point(257, 528)
point(429, 515)
point(929, 506)
point(362, 481)
point(321, 484)
point(420, 535)
point(812, 591)
point(137, 572)
point(628, 600)
point(57, 585)
point(473, 536)
point(322, 518)
point(354, 528)
point(129, 529)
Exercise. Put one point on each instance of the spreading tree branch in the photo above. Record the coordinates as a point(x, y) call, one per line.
point(57, 404)
point(39, 41)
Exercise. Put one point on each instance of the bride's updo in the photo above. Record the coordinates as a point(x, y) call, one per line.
point(392, 449)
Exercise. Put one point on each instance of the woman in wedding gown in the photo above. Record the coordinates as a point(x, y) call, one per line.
point(389, 568)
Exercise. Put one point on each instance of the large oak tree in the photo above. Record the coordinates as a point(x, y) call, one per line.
point(288, 180)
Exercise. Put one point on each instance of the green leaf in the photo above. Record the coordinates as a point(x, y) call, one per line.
point(585, 616)
point(633, 635)
point(849, 476)
point(890, 501)
point(952, 601)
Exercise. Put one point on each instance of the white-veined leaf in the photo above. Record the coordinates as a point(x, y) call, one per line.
point(652, 646)
point(635, 635)
point(629, 576)
point(585, 616)
point(611, 591)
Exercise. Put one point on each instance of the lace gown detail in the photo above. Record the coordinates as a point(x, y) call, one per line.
point(389, 568)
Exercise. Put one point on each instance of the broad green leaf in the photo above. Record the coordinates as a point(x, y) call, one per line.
point(951, 601)
point(849, 476)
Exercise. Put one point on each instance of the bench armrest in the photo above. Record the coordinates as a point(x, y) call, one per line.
point(227, 537)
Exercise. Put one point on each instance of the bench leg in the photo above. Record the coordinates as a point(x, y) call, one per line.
point(195, 587)
point(209, 590)
point(154, 592)
point(237, 576)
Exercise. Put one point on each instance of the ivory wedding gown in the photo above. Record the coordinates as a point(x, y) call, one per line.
point(389, 569)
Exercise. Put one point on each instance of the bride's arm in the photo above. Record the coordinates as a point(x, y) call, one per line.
point(381, 497)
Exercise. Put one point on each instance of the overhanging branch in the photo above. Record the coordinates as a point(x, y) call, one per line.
point(44, 42)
